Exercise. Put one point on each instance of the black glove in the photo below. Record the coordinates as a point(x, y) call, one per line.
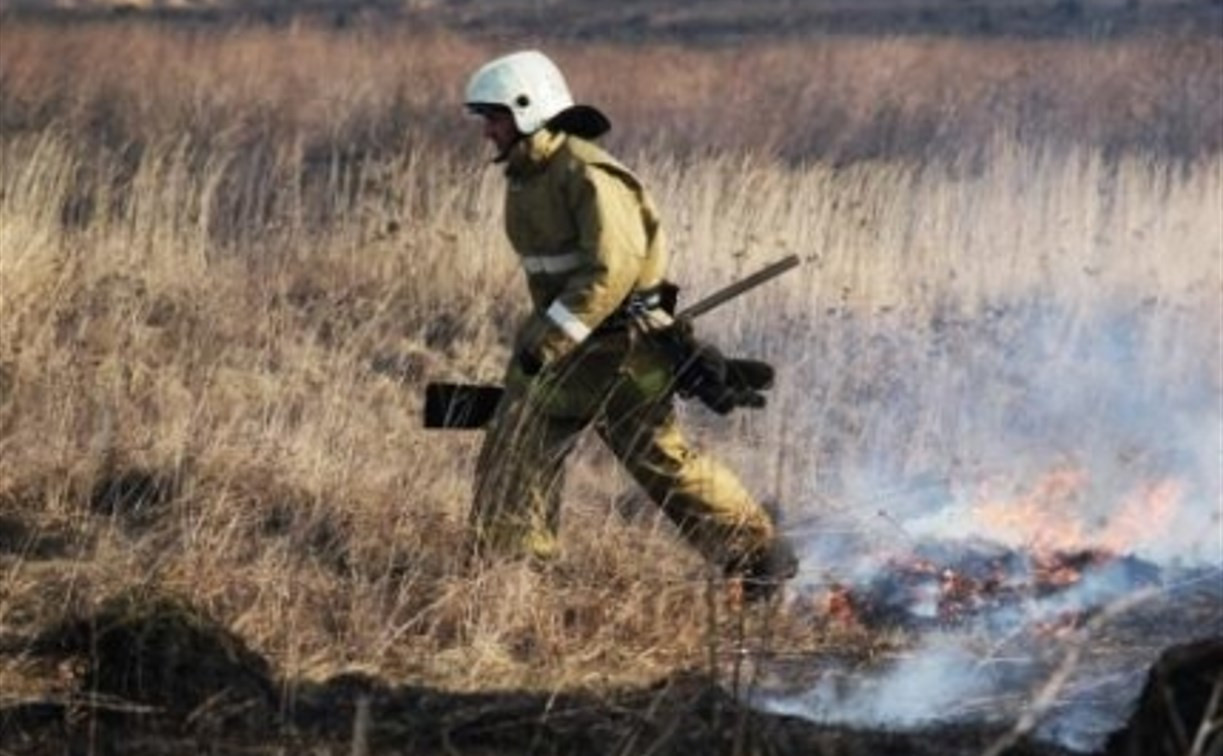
point(703, 375)
point(668, 297)
point(528, 362)
point(704, 372)
point(747, 378)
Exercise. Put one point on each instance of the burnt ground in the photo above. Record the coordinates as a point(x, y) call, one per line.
point(155, 676)
point(683, 715)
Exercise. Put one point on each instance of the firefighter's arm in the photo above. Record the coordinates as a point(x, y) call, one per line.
point(611, 245)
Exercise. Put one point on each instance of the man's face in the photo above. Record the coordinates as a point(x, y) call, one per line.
point(499, 129)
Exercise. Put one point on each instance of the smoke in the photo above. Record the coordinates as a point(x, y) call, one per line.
point(954, 679)
point(1001, 668)
point(1039, 426)
point(940, 680)
point(969, 415)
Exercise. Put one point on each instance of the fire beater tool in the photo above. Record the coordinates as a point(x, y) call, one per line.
point(467, 405)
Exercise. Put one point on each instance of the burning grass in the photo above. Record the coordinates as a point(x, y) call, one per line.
point(213, 340)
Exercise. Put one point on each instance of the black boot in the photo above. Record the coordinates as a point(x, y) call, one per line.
point(764, 572)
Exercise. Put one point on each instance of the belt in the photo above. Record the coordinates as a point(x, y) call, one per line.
point(636, 308)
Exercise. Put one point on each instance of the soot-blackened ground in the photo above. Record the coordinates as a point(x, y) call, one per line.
point(159, 677)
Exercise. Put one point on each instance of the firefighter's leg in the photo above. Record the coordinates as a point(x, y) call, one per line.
point(519, 477)
point(705, 499)
point(520, 471)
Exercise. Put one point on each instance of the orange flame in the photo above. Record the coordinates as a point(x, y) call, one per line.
point(1051, 515)
point(1146, 514)
point(839, 606)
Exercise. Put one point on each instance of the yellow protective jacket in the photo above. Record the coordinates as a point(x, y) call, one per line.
point(586, 233)
point(588, 236)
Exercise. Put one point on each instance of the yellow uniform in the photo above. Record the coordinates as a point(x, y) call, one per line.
point(588, 237)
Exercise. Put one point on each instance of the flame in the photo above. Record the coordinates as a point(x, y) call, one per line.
point(1146, 514)
point(1053, 515)
point(1057, 527)
point(1039, 518)
point(839, 606)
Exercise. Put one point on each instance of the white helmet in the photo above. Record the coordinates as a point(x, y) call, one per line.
point(527, 83)
point(533, 89)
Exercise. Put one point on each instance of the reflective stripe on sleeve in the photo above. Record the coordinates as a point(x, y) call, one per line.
point(568, 322)
point(552, 264)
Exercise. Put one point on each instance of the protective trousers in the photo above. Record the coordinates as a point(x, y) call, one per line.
point(621, 383)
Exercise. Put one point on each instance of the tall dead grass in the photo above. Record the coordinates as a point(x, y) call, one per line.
point(214, 326)
point(331, 92)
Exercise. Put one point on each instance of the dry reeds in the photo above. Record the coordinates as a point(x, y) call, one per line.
point(330, 92)
point(230, 260)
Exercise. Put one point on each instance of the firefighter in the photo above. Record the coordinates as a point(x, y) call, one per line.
point(589, 241)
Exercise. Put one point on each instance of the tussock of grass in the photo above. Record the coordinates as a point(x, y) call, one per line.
point(157, 651)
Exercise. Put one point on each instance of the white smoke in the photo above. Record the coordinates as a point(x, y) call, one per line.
point(938, 682)
point(978, 413)
point(954, 679)
point(1128, 397)
point(992, 670)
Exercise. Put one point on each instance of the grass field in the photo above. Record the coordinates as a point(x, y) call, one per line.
point(230, 259)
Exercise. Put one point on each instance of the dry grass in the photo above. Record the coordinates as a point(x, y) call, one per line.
point(325, 92)
point(229, 262)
